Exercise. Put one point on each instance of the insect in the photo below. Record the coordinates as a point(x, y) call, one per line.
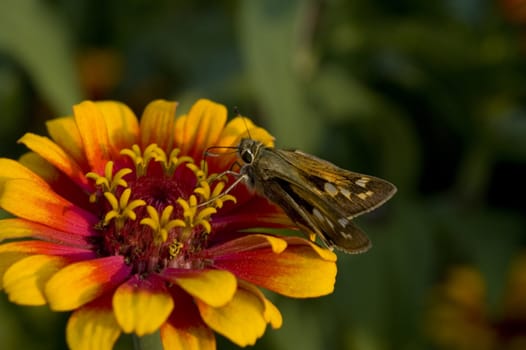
point(318, 196)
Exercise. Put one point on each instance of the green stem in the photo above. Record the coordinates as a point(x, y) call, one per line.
point(147, 342)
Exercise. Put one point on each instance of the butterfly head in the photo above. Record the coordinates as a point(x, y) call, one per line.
point(248, 150)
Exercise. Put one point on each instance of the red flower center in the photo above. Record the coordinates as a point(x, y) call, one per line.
point(157, 214)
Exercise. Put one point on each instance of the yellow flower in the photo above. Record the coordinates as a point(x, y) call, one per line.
point(459, 318)
point(127, 225)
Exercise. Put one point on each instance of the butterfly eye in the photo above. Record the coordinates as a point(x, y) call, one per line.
point(247, 156)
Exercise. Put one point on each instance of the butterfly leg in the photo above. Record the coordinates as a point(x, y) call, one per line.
point(240, 177)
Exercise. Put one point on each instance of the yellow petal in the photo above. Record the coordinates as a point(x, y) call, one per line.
point(40, 167)
point(141, 306)
point(197, 337)
point(24, 281)
point(14, 251)
point(271, 314)
point(242, 320)
point(55, 155)
point(185, 328)
point(323, 253)
point(202, 127)
point(8, 258)
point(242, 127)
point(121, 124)
point(213, 287)
point(157, 124)
point(92, 328)
point(10, 169)
point(80, 283)
point(65, 133)
point(94, 134)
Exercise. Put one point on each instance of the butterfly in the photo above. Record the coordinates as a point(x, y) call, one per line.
point(318, 196)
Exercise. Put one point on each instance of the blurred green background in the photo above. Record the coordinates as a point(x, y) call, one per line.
point(429, 95)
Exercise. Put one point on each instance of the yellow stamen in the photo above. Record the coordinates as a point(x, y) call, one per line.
point(141, 159)
point(203, 190)
point(162, 225)
point(108, 182)
point(193, 216)
point(215, 198)
point(218, 197)
point(122, 209)
point(171, 163)
point(201, 171)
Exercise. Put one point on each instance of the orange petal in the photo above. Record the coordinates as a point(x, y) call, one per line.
point(19, 228)
point(142, 306)
point(213, 287)
point(242, 320)
point(24, 281)
point(121, 124)
point(248, 243)
point(65, 133)
point(82, 282)
point(201, 128)
point(302, 270)
point(185, 329)
point(92, 328)
point(157, 124)
point(94, 134)
point(32, 201)
point(55, 155)
point(47, 248)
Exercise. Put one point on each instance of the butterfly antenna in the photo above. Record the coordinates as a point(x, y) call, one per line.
point(236, 111)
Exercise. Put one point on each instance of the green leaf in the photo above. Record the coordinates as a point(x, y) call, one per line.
point(270, 40)
point(36, 38)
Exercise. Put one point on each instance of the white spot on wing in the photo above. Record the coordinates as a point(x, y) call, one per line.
point(343, 222)
point(346, 235)
point(317, 214)
point(346, 193)
point(322, 218)
point(363, 196)
point(330, 189)
point(362, 182)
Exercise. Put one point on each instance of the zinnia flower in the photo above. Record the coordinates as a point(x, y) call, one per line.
point(460, 317)
point(128, 226)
